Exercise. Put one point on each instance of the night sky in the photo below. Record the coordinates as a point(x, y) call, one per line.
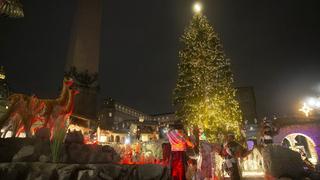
point(273, 45)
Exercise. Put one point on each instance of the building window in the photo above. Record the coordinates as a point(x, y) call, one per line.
point(117, 139)
point(110, 114)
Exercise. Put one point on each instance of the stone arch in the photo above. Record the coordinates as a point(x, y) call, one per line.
point(310, 131)
point(117, 138)
point(301, 142)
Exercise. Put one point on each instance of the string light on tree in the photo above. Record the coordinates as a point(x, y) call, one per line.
point(306, 109)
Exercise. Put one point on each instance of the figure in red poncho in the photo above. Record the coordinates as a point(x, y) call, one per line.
point(179, 142)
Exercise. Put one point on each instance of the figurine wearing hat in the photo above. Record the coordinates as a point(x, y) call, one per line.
point(266, 133)
point(231, 151)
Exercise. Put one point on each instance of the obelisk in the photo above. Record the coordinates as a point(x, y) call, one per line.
point(84, 56)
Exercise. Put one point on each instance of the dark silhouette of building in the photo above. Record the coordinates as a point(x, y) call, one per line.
point(113, 115)
point(4, 91)
point(247, 101)
point(4, 88)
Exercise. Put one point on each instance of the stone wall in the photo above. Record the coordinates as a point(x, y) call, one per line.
point(36, 150)
point(51, 171)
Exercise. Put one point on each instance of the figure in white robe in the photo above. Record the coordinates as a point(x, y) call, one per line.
point(204, 169)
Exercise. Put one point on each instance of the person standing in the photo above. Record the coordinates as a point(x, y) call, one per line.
point(191, 173)
point(204, 169)
point(267, 132)
point(179, 142)
point(229, 152)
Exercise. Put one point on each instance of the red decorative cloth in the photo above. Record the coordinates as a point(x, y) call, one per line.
point(177, 141)
point(178, 166)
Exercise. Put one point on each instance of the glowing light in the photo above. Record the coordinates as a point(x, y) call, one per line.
point(127, 140)
point(306, 109)
point(2, 76)
point(312, 102)
point(141, 119)
point(253, 174)
point(103, 139)
point(7, 107)
point(165, 130)
point(250, 145)
point(317, 104)
point(197, 7)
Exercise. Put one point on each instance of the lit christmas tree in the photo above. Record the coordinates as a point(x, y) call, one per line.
point(204, 96)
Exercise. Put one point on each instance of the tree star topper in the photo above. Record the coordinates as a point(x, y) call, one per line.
point(197, 7)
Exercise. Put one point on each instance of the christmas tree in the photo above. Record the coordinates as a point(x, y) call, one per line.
point(204, 96)
point(11, 8)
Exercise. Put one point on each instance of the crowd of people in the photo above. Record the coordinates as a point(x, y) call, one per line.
point(200, 168)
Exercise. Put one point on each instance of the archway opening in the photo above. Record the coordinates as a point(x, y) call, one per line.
point(286, 143)
point(302, 144)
